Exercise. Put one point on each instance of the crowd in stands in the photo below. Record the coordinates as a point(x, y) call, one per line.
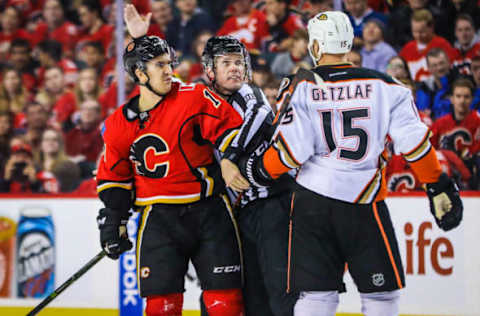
point(58, 83)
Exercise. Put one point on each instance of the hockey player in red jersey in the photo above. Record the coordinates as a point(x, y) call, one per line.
point(334, 129)
point(262, 213)
point(159, 149)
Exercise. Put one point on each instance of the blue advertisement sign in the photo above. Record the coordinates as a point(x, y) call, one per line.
point(131, 304)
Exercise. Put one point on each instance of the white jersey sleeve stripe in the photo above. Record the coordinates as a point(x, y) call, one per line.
point(421, 150)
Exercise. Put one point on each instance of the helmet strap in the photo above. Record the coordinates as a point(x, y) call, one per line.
point(149, 87)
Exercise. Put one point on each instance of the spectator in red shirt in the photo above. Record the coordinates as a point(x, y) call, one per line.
point(248, 25)
point(84, 142)
point(20, 58)
point(92, 55)
point(53, 96)
point(10, 22)
point(282, 24)
point(467, 43)
point(13, 95)
point(414, 52)
point(459, 131)
point(49, 54)
point(93, 26)
point(108, 99)
point(55, 27)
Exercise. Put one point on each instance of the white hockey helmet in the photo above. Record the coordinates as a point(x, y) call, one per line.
point(333, 32)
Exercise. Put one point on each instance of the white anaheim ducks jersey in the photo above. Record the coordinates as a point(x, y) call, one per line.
point(337, 131)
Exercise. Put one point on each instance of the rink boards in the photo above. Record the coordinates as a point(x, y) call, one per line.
point(442, 269)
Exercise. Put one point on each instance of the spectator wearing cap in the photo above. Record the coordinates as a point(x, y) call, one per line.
point(185, 26)
point(425, 39)
point(284, 62)
point(359, 13)
point(282, 24)
point(19, 175)
point(439, 82)
point(94, 29)
point(49, 54)
point(248, 25)
point(261, 73)
point(467, 43)
point(55, 27)
point(375, 52)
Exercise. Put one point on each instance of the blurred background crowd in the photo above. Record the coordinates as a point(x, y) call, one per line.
point(57, 81)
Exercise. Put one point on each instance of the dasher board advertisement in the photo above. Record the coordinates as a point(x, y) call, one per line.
point(50, 240)
point(441, 268)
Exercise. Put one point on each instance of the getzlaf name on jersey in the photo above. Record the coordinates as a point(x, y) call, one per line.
point(171, 163)
point(255, 134)
point(355, 149)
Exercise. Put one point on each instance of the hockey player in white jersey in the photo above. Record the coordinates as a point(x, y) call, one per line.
point(335, 129)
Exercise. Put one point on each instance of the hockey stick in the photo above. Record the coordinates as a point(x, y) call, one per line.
point(67, 283)
point(301, 75)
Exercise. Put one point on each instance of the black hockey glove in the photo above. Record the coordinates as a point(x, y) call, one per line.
point(445, 203)
point(113, 232)
point(251, 167)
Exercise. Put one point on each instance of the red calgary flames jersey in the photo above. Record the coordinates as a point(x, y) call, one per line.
point(457, 135)
point(166, 153)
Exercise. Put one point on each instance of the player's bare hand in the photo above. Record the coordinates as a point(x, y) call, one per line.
point(232, 176)
point(137, 25)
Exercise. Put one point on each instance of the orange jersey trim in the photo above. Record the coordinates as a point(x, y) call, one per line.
point(427, 168)
point(273, 164)
point(387, 245)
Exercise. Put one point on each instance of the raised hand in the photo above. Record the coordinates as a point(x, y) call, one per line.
point(137, 25)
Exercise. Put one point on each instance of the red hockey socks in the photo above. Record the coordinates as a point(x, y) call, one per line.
point(224, 302)
point(165, 305)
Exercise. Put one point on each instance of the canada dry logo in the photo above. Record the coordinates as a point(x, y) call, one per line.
point(378, 279)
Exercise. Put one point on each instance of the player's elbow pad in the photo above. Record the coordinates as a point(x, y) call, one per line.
point(252, 168)
point(117, 198)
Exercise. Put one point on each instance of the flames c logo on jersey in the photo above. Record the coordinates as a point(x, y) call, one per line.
point(401, 182)
point(148, 154)
point(456, 139)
